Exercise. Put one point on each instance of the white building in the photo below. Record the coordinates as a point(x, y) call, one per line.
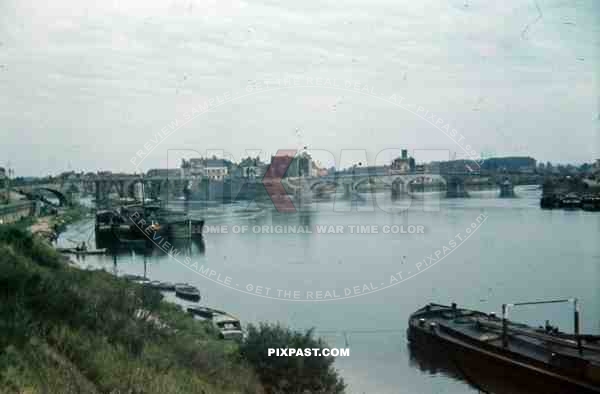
point(216, 169)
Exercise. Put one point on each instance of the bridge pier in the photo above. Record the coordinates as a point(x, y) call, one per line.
point(456, 189)
point(507, 189)
point(398, 190)
point(101, 193)
point(347, 190)
point(121, 188)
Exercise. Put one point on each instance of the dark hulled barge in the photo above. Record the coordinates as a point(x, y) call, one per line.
point(144, 223)
point(486, 348)
point(587, 202)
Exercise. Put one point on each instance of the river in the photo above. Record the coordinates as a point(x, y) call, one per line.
point(514, 252)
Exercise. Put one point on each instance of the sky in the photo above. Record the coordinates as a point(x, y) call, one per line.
point(88, 86)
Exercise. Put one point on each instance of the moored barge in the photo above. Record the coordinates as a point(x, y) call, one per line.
point(146, 222)
point(481, 344)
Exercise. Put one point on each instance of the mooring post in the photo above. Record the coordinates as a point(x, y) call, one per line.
point(145, 270)
point(504, 325)
point(576, 325)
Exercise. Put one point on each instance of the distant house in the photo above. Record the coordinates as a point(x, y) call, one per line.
point(217, 169)
point(301, 166)
point(403, 164)
point(212, 169)
point(314, 169)
point(196, 167)
point(252, 168)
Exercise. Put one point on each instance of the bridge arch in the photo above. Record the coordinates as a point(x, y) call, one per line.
point(320, 184)
point(366, 179)
point(62, 199)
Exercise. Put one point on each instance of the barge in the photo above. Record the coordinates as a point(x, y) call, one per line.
point(481, 345)
point(587, 202)
point(135, 223)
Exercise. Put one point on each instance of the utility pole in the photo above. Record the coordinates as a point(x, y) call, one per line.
point(9, 173)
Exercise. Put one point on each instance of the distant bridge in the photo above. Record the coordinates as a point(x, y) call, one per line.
point(455, 184)
point(101, 186)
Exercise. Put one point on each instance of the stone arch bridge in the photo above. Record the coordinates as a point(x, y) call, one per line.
point(101, 187)
point(455, 185)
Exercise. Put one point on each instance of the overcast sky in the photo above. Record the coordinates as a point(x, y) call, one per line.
point(85, 85)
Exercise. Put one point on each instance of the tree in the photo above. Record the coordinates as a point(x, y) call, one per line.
point(292, 374)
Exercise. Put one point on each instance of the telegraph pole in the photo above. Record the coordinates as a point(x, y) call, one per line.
point(9, 173)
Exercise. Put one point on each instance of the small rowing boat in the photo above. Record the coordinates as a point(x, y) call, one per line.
point(228, 325)
point(162, 286)
point(187, 292)
point(81, 251)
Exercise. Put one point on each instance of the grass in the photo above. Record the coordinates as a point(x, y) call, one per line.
point(64, 330)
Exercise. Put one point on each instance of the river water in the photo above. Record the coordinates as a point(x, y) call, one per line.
point(514, 252)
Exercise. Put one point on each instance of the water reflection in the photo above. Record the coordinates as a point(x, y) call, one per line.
point(145, 246)
point(483, 378)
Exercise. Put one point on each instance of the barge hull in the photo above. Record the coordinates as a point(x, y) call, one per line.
point(490, 371)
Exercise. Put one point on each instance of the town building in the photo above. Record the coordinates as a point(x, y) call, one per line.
point(252, 168)
point(596, 169)
point(196, 167)
point(213, 169)
point(216, 169)
point(403, 164)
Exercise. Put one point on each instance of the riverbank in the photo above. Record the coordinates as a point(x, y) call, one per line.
point(49, 227)
point(68, 330)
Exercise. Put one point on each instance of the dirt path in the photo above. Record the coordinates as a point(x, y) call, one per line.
point(42, 225)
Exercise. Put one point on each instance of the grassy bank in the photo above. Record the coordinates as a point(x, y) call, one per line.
point(65, 330)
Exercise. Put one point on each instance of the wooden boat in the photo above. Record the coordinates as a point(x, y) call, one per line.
point(90, 251)
point(133, 278)
point(187, 292)
point(481, 344)
point(229, 326)
point(162, 286)
point(81, 251)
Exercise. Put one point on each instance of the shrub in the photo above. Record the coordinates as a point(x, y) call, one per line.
point(295, 374)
